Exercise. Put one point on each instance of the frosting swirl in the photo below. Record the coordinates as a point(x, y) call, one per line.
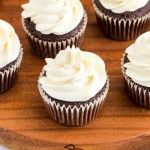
point(9, 44)
point(121, 6)
point(139, 56)
point(73, 75)
point(54, 16)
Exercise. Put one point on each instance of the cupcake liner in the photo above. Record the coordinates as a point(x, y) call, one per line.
point(73, 114)
point(46, 49)
point(121, 29)
point(139, 95)
point(9, 75)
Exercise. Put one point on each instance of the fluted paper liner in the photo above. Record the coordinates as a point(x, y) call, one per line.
point(9, 75)
point(73, 115)
point(121, 29)
point(46, 49)
point(139, 94)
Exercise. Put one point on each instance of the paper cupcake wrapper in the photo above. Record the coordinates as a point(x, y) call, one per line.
point(73, 115)
point(46, 49)
point(8, 76)
point(121, 29)
point(139, 94)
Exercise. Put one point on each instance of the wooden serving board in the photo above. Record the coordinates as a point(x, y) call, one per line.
point(25, 123)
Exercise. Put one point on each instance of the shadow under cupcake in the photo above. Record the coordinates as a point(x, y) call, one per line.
point(74, 86)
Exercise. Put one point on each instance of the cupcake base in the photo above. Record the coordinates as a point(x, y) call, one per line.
point(139, 94)
point(8, 75)
point(74, 113)
point(48, 48)
point(121, 28)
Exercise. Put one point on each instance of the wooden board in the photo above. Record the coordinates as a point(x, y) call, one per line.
point(23, 116)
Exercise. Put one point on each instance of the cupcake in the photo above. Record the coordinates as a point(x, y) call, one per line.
point(10, 56)
point(136, 70)
point(52, 25)
point(122, 19)
point(73, 86)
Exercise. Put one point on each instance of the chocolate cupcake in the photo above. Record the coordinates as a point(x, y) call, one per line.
point(73, 86)
point(136, 70)
point(122, 19)
point(51, 26)
point(10, 56)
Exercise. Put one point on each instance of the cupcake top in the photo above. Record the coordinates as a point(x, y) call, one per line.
point(9, 44)
point(73, 75)
point(121, 6)
point(138, 66)
point(54, 16)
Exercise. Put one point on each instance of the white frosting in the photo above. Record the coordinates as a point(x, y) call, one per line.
point(74, 75)
point(121, 6)
point(9, 44)
point(139, 55)
point(54, 16)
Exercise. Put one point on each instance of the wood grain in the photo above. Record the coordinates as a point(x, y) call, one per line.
point(22, 111)
point(16, 141)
